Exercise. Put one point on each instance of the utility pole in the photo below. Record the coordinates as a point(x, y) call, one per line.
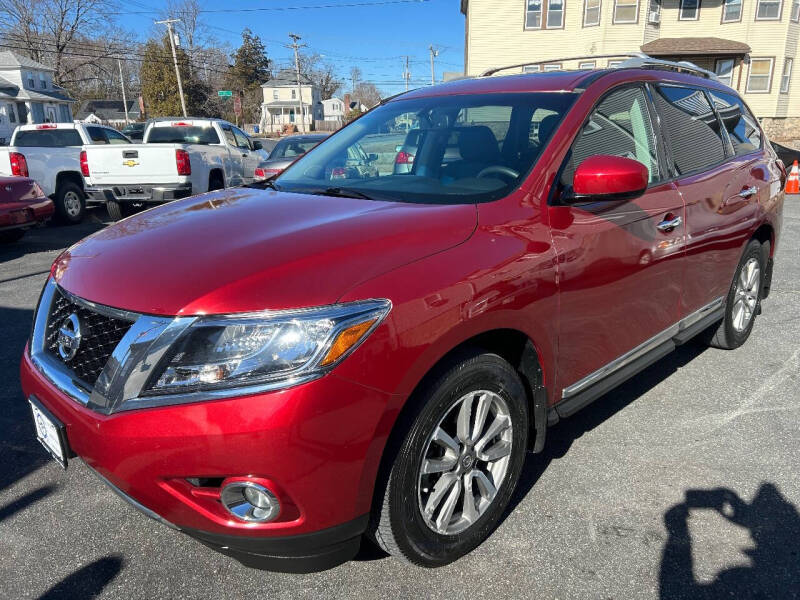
point(406, 71)
point(168, 23)
point(296, 38)
point(122, 83)
point(434, 54)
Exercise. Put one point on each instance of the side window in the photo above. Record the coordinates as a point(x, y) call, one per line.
point(241, 139)
point(114, 137)
point(691, 127)
point(96, 135)
point(229, 137)
point(620, 125)
point(739, 122)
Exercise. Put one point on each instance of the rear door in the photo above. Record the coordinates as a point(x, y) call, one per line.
point(234, 165)
point(250, 158)
point(719, 191)
point(619, 266)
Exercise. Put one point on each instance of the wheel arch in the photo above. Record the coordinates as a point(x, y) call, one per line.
point(215, 172)
point(68, 176)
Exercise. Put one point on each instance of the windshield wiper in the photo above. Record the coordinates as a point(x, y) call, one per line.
point(339, 192)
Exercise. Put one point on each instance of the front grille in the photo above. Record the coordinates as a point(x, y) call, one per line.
point(100, 334)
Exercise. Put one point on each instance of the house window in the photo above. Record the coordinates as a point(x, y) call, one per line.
point(626, 11)
point(613, 64)
point(591, 12)
point(552, 67)
point(531, 69)
point(655, 12)
point(690, 10)
point(42, 81)
point(796, 11)
point(31, 80)
point(732, 11)
point(786, 75)
point(759, 79)
point(768, 10)
point(586, 65)
point(547, 14)
point(294, 94)
point(275, 94)
point(724, 70)
point(12, 117)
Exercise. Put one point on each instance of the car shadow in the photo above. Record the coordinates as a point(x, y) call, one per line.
point(561, 436)
point(51, 237)
point(774, 527)
point(86, 582)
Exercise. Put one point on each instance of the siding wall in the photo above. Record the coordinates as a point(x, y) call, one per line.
point(496, 36)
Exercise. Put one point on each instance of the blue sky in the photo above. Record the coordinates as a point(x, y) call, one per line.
point(372, 37)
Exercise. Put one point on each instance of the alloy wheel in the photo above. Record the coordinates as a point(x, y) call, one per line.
point(746, 295)
point(465, 462)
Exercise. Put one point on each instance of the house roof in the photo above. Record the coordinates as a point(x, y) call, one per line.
point(285, 104)
point(688, 46)
point(286, 78)
point(108, 110)
point(16, 61)
point(42, 95)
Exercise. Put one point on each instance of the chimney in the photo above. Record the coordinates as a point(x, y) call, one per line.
point(346, 102)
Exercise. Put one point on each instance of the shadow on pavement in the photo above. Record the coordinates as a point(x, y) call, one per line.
point(49, 238)
point(561, 436)
point(87, 582)
point(774, 526)
point(26, 501)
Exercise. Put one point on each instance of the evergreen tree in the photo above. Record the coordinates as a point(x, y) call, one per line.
point(160, 87)
point(251, 67)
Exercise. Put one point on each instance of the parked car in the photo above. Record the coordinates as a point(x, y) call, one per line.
point(178, 158)
point(281, 371)
point(22, 205)
point(134, 131)
point(285, 152)
point(50, 154)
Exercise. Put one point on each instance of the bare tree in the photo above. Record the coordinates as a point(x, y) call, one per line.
point(321, 73)
point(367, 94)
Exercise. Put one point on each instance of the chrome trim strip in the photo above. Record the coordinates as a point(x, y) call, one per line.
point(107, 311)
point(641, 349)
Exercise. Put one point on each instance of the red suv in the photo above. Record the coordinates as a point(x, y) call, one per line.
point(282, 369)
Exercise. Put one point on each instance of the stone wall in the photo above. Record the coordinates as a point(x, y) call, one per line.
point(781, 129)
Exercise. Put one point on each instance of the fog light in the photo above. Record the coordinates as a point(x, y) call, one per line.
point(248, 501)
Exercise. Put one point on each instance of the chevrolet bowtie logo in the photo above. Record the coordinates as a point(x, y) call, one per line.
point(130, 163)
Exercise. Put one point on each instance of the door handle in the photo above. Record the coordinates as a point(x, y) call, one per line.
point(747, 192)
point(669, 224)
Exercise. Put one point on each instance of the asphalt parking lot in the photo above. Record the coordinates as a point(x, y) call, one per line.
point(682, 483)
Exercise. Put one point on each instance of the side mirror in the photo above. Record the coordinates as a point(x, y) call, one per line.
point(609, 178)
point(372, 157)
point(257, 145)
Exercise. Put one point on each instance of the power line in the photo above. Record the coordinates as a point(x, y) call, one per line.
point(280, 8)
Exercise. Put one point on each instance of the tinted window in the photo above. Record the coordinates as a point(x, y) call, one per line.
point(738, 121)
point(115, 137)
point(620, 126)
point(48, 138)
point(691, 127)
point(241, 138)
point(97, 135)
point(458, 149)
point(229, 137)
point(289, 148)
point(182, 135)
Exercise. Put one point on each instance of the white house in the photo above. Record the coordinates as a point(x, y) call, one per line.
point(28, 95)
point(333, 109)
point(281, 105)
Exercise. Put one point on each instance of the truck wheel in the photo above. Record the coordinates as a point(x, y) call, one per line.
point(11, 235)
point(70, 202)
point(119, 210)
point(743, 302)
point(454, 472)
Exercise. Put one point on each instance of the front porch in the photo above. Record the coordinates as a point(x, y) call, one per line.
point(275, 115)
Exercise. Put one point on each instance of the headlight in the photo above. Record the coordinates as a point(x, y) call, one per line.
point(272, 347)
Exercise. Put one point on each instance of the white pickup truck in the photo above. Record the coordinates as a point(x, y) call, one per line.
point(178, 158)
point(50, 154)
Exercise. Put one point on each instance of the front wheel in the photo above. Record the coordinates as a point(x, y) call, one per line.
point(455, 471)
point(70, 202)
point(119, 210)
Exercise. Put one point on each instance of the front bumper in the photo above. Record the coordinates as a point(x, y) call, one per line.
point(314, 443)
point(144, 192)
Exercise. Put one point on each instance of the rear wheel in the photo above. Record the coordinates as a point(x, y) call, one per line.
point(70, 202)
point(11, 235)
point(743, 301)
point(454, 472)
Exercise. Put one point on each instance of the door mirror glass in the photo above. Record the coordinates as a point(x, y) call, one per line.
point(607, 177)
point(257, 145)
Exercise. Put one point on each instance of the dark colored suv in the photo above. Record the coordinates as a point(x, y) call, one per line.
point(283, 369)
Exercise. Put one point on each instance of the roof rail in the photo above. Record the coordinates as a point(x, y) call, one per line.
point(635, 60)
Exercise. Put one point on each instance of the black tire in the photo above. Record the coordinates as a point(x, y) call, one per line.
point(398, 525)
point(119, 210)
point(731, 333)
point(215, 181)
point(11, 235)
point(70, 202)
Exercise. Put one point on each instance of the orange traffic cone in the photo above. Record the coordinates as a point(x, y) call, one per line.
point(793, 182)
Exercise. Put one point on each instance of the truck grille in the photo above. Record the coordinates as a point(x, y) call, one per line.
point(100, 335)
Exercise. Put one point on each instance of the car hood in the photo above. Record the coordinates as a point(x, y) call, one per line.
point(246, 249)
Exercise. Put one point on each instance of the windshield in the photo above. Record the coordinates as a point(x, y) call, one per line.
point(445, 150)
point(182, 134)
point(289, 148)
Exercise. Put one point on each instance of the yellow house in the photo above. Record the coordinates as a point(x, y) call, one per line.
point(752, 45)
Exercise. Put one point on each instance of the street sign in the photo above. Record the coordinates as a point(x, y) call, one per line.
point(237, 106)
point(225, 93)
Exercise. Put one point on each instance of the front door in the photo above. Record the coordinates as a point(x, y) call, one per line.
point(619, 266)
